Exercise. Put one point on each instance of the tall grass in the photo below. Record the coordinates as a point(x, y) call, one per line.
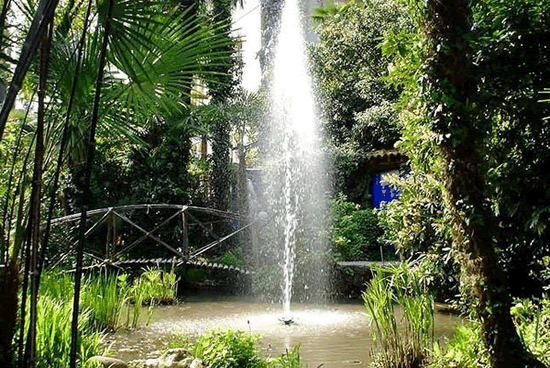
point(155, 286)
point(103, 302)
point(401, 343)
point(53, 339)
point(105, 297)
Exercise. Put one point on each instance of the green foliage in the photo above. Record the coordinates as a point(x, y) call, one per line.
point(234, 257)
point(356, 231)
point(464, 350)
point(509, 119)
point(195, 275)
point(105, 297)
point(289, 359)
point(54, 317)
point(357, 101)
point(155, 287)
point(53, 337)
point(229, 349)
point(399, 346)
point(533, 323)
point(235, 349)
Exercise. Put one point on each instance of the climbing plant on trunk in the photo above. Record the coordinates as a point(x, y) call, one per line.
point(449, 101)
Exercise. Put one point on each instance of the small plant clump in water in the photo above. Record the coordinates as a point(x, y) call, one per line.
point(234, 349)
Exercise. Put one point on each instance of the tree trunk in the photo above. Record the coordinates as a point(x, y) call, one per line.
point(86, 196)
point(9, 286)
point(34, 218)
point(461, 132)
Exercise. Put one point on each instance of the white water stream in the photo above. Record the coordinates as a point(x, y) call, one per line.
point(296, 171)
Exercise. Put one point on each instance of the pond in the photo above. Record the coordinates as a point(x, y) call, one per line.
point(336, 335)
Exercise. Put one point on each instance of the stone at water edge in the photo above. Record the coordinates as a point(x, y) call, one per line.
point(174, 355)
point(173, 358)
point(197, 363)
point(109, 362)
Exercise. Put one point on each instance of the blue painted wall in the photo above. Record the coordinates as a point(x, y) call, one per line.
point(382, 193)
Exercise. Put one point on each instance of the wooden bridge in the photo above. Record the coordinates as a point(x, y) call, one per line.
point(165, 217)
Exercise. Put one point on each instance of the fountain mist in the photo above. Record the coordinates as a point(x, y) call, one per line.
point(295, 167)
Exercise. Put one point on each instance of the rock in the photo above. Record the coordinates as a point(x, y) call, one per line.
point(151, 363)
point(197, 363)
point(109, 362)
point(127, 350)
point(187, 362)
point(172, 358)
point(175, 355)
point(138, 363)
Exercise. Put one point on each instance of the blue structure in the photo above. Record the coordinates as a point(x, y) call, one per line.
point(382, 193)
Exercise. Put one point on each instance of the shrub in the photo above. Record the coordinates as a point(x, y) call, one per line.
point(464, 350)
point(355, 231)
point(229, 349)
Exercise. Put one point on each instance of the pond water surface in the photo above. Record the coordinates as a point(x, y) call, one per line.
point(334, 336)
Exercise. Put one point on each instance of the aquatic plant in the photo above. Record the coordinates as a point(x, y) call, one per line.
point(402, 343)
point(289, 359)
point(105, 297)
point(154, 287)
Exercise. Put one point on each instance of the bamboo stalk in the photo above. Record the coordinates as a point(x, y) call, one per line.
point(87, 179)
point(34, 218)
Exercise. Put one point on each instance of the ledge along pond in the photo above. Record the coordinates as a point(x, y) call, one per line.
point(336, 335)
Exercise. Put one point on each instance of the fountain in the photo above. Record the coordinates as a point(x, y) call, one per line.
point(291, 210)
point(295, 171)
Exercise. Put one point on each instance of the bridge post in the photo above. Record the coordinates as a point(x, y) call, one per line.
point(184, 236)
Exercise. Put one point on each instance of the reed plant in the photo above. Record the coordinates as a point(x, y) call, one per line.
point(53, 338)
point(105, 297)
point(155, 287)
point(58, 286)
point(402, 343)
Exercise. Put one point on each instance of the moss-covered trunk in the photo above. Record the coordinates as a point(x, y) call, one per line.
point(451, 96)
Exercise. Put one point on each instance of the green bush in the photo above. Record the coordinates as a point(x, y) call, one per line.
point(464, 350)
point(229, 349)
point(356, 231)
point(234, 257)
point(533, 323)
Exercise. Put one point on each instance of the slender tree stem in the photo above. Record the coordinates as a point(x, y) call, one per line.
point(87, 178)
point(34, 220)
point(44, 15)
